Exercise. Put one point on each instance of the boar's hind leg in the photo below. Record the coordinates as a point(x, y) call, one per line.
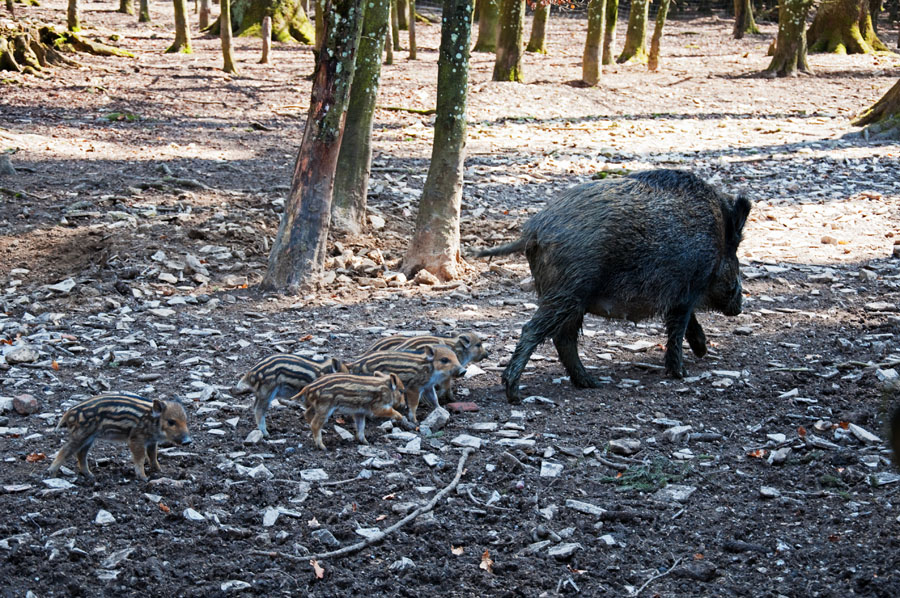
point(544, 323)
point(695, 337)
point(677, 320)
point(566, 341)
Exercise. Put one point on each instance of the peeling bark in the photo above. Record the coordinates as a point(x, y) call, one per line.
point(298, 252)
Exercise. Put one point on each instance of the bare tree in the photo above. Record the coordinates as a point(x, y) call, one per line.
point(591, 60)
point(225, 37)
point(435, 243)
point(182, 41)
point(653, 59)
point(298, 253)
point(508, 65)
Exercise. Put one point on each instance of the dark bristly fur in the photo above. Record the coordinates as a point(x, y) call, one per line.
point(282, 373)
point(660, 242)
point(419, 371)
point(379, 395)
point(142, 423)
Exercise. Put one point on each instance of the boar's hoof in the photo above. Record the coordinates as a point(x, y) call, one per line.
point(585, 382)
point(677, 372)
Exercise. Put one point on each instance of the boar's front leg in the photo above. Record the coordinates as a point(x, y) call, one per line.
point(677, 320)
point(566, 341)
point(695, 337)
point(542, 324)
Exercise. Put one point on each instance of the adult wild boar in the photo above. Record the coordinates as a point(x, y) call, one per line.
point(659, 242)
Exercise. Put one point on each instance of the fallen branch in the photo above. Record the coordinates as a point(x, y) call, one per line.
point(612, 464)
point(405, 109)
point(655, 577)
point(381, 536)
point(193, 101)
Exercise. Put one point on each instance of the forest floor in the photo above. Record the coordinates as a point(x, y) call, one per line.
point(147, 194)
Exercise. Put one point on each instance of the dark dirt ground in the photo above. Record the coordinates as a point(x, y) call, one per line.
point(105, 204)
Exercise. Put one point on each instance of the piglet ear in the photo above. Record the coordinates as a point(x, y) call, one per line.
point(465, 341)
point(158, 408)
point(429, 353)
point(396, 384)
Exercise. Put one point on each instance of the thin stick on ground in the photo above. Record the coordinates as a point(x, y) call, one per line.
point(381, 536)
point(655, 577)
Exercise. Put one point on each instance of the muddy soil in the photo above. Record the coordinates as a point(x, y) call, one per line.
point(131, 238)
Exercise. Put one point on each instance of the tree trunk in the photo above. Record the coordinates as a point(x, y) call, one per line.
point(389, 41)
point(225, 37)
point(204, 14)
point(266, 39)
point(743, 19)
point(126, 7)
point(488, 26)
point(298, 252)
point(609, 35)
point(73, 16)
point(402, 11)
point(653, 60)
point(412, 29)
point(882, 120)
point(790, 45)
point(435, 243)
point(844, 27)
point(395, 25)
point(635, 48)
point(590, 61)
point(508, 64)
point(144, 11)
point(351, 183)
point(11, 8)
point(182, 41)
point(875, 8)
point(319, 27)
point(537, 42)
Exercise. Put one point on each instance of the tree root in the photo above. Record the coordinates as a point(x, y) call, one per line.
point(381, 536)
point(29, 49)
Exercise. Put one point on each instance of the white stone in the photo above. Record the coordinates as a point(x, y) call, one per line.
point(234, 585)
point(674, 493)
point(344, 433)
point(483, 426)
point(437, 419)
point(192, 515)
point(863, 434)
point(677, 433)
point(608, 539)
point(369, 532)
point(564, 550)
point(473, 370)
point(313, 475)
point(270, 516)
point(63, 287)
point(260, 472)
point(253, 437)
point(549, 469)
point(58, 484)
point(431, 459)
point(585, 507)
point(466, 441)
point(104, 518)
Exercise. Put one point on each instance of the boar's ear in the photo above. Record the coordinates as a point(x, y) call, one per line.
point(464, 340)
point(429, 353)
point(158, 408)
point(395, 382)
point(337, 365)
point(734, 226)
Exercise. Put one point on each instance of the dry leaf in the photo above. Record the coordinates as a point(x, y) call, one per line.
point(54, 365)
point(35, 457)
point(486, 562)
point(759, 453)
point(320, 572)
point(698, 556)
point(457, 550)
point(801, 432)
point(164, 508)
point(390, 496)
point(308, 337)
point(844, 425)
point(381, 518)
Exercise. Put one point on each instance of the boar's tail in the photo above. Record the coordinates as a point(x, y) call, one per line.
point(514, 247)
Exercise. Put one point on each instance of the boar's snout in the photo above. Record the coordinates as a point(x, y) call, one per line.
point(186, 439)
point(460, 372)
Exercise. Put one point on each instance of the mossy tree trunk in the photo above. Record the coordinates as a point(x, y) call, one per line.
point(743, 19)
point(204, 14)
point(144, 12)
point(591, 59)
point(790, 44)
point(537, 42)
point(289, 20)
point(182, 41)
point(126, 7)
point(488, 26)
point(395, 25)
point(882, 120)
point(635, 47)
point(389, 41)
point(29, 49)
point(73, 16)
point(225, 37)
point(298, 252)
point(351, 183)
point(508, 64)
point(609, 33)
point(435, 243)
point(653, 59)
point(844, 27)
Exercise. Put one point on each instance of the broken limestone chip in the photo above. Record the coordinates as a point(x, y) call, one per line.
point(424, 277)
point(549, 469)
point(192, 515)
point(674, 493)
point(676, 433)
point(466, 441)
point(863, 434)
point(104, 518)
point(565, 550)
point(63, 287)
point(21, 354)
point(585, 507)
point(624, 446)
point(402, 564)
point(253, 437)
point(270, 516)
point(437, 419)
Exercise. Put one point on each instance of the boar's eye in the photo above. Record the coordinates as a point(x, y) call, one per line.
point(171, 422)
